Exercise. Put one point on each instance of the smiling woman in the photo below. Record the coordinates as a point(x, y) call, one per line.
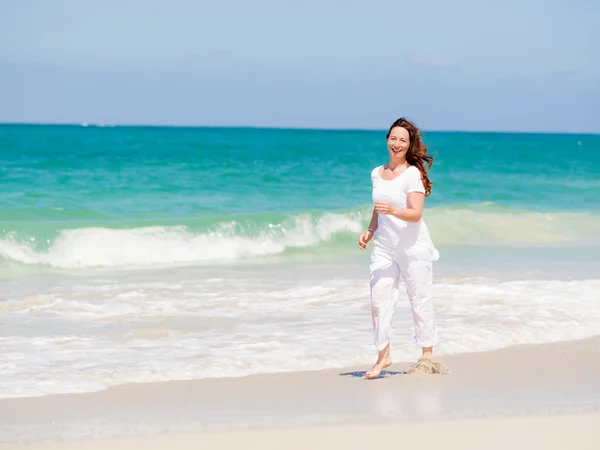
point(402, 245)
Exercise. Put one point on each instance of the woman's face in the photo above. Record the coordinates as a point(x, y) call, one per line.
point(398, 143)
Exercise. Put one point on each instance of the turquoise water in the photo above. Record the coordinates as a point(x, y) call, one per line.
point(134, 254)
point(274, 191)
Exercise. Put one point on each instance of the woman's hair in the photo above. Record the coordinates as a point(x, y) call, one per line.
point(417, 150)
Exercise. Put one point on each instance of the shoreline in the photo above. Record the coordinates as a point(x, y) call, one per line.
point(397, 368)
point(521, 381)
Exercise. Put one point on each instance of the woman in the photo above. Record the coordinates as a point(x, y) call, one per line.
point(402, 245)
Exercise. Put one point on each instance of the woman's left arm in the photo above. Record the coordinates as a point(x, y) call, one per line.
point(412, 213)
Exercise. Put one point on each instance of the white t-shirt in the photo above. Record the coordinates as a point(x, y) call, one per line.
point(395, 234)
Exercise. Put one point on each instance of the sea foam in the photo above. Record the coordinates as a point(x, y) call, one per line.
point(248, 237)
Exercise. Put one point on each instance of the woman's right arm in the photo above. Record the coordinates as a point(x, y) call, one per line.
point(373, 224)
point(366, 236)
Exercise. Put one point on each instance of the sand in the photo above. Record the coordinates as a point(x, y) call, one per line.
point(528, 396)
point(548, 433)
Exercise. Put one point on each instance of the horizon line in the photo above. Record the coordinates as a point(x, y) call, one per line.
point(283, 128)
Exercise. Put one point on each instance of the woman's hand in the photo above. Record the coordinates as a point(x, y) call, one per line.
point(364, 238)
point(383, 207)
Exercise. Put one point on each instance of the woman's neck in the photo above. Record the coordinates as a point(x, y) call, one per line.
point(393, 165)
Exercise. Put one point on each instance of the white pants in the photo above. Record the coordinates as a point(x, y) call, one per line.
point(386, 269)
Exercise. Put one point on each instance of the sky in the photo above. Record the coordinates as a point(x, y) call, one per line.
point(515, 65)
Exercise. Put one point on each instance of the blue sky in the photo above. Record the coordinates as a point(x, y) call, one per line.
point(462, 65)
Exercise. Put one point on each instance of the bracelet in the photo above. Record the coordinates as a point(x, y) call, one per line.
point(371, 230)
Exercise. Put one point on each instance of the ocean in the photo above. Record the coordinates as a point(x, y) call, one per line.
point(136, 254)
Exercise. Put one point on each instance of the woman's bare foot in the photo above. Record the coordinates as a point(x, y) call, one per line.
point(427, 352)
point(378, 367)
point(383, 361)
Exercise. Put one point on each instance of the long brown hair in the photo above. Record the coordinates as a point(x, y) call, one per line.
point(417, 150)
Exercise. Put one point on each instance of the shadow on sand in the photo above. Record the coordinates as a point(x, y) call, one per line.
point(361, 374)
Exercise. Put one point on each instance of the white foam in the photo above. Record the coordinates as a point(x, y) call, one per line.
point(106, 247)
point(477, 226)
point(90, 335)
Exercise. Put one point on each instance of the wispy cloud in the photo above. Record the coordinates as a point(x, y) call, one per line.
point(430, 61)
point(565, 74)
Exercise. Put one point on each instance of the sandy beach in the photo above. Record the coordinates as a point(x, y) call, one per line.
point(549, 433)
point(530, 396)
